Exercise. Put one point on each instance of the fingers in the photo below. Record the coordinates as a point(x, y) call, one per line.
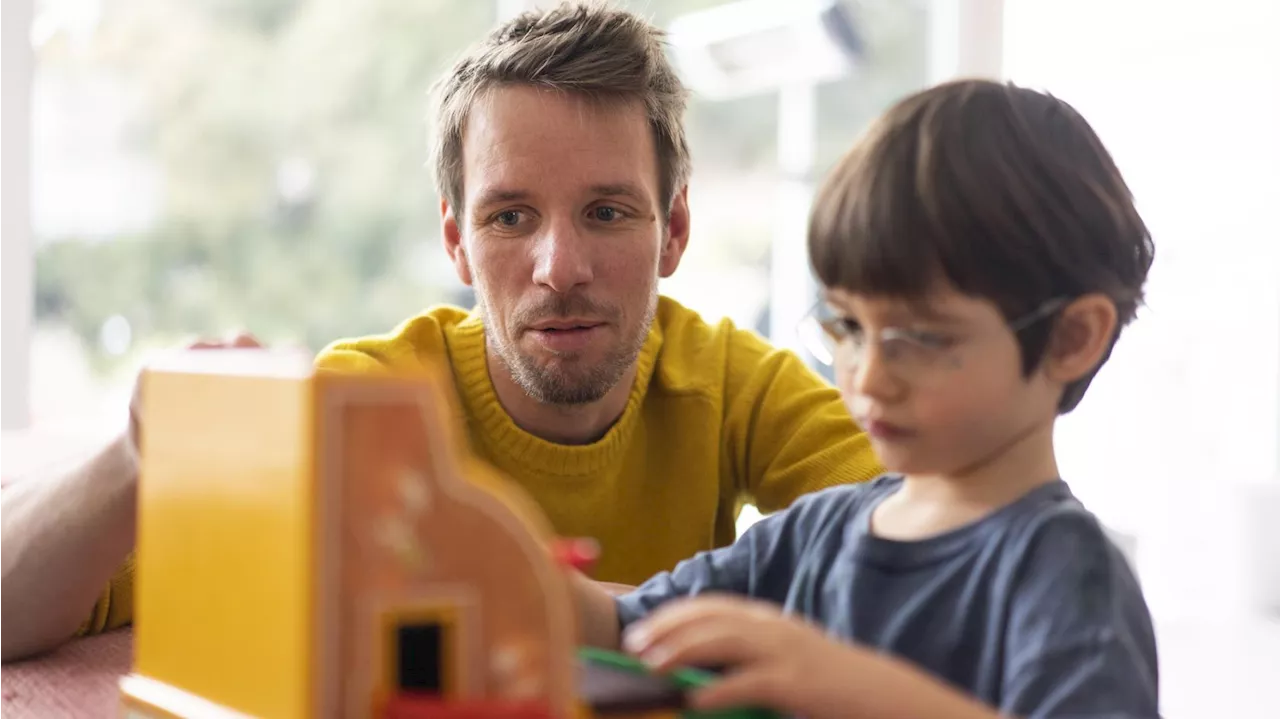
point(205, 344)
point(761, 687)
point(679, 614)
point(669, 618)
point(245, 340)
point(706, 631)
point(235, 340)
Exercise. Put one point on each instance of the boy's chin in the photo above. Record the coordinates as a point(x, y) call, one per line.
point(900, 461)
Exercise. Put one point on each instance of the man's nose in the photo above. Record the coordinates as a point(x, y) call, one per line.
point(563, 258)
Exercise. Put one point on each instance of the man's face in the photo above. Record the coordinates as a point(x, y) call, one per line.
point(563, 236)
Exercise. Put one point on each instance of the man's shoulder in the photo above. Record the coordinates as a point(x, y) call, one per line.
point(700, 355)
point(425, 334)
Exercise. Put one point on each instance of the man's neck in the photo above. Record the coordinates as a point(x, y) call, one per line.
point(928, 505)
point(562, 424)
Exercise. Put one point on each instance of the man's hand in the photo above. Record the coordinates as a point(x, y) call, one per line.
point(65, 536)
point(782, 663)
point(241, 340)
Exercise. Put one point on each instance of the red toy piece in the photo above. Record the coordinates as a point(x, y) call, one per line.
point(579, 553)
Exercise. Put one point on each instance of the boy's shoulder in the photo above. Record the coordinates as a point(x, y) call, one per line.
point(1050, 519)
point(846, 498)
point(831, 510)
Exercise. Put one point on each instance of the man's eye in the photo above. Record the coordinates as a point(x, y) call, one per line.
point(510, 218)
point(605, 214)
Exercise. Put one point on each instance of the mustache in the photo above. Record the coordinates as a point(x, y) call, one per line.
point(557, 306)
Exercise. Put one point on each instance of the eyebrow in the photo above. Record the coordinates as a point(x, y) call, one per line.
point(932, 313)
point(499, 195)
point(622, 189)
point(914, 310)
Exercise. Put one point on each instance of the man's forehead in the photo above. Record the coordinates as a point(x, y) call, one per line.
point(518, 139)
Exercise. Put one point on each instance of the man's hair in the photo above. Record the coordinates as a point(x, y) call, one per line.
point(1004, 192)
point(587, 49)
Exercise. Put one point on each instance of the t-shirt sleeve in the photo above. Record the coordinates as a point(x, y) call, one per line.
point(761, 564)
point(1079, 641)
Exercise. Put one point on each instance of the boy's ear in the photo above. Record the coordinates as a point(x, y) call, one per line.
point(1081, 338)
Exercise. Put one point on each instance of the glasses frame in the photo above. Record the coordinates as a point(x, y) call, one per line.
point(827, 330)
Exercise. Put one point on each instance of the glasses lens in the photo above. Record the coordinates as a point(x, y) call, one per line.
point(815, 339)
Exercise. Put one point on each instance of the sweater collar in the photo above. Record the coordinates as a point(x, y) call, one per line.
point(505, 443)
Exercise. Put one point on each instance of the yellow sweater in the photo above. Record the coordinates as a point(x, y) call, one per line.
point(716, 418)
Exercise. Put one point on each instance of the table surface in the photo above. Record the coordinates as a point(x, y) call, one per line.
point(1215, 664)
point(80, 679)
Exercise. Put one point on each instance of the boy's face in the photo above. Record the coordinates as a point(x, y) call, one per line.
point(938, 385)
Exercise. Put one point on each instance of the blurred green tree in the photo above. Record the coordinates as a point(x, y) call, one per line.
point(289, 138)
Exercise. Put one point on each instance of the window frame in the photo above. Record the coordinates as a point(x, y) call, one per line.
point(17, 270)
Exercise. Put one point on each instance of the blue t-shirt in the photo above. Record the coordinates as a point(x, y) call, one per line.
point(1031, 609)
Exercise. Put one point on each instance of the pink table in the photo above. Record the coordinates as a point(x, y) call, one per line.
point(80, 679)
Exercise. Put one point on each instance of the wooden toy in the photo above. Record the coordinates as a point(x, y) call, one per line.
point(325, 545)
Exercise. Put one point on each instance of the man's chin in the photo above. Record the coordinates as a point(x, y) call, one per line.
point(565, 380)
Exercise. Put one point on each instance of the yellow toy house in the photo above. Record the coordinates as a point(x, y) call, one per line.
point(322, 545)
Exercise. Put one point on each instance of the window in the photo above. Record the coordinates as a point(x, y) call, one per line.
point(205, 166)
point(15, 214)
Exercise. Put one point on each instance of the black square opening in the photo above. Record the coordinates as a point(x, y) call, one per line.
point(419, 657)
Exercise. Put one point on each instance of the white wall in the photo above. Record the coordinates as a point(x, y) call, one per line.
point(16, 269)
point(1187, 98)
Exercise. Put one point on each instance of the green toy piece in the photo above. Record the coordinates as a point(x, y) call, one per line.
point(677, 682)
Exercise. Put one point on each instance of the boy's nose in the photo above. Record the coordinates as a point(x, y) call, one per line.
point(872, 376)
point(564, 259)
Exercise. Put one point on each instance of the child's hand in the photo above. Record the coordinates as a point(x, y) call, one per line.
point(771, 660)
point(775, 661)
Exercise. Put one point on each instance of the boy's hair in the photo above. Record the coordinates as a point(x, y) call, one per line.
point(1004, 192)
point(587, 49)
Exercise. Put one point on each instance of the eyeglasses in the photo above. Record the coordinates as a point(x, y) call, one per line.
point(911, 354)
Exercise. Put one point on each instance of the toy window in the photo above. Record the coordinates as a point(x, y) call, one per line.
point(420, 657)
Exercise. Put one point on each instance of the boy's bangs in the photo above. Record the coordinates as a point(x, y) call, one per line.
point(869, 233)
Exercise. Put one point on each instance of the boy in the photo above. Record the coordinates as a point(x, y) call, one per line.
point(979, 254)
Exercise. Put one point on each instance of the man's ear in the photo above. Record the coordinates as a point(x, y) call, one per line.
point(1081, 338)
point(676, 238)
point(452, 236)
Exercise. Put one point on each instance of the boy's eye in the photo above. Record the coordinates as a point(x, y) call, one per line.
point(841, 328)
point(931, 340)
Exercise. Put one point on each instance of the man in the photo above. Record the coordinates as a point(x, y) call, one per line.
point(563, 170)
